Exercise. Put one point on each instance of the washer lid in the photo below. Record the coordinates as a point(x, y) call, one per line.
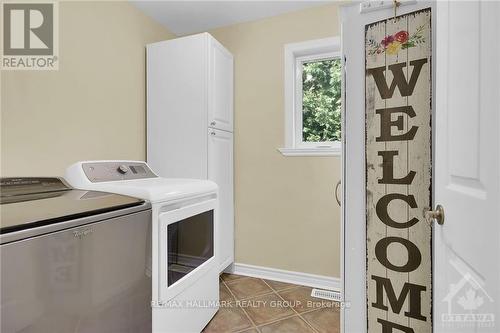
point(32, 202)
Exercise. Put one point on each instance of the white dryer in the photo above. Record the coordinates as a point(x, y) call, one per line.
point(185, 291)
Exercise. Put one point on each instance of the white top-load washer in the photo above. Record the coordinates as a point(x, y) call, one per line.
point(185, 291)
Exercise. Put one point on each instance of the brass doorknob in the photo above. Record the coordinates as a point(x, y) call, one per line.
point(435, 215)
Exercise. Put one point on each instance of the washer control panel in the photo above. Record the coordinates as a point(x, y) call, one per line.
point(98, 172)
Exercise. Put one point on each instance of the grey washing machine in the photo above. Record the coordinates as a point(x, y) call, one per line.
point(73, 260)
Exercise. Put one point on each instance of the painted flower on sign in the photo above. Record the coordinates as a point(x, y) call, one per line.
point(393, 48)
point(401, 36)
point(392, 44)
point(387, 40)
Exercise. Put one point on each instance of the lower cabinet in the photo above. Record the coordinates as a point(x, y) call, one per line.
point(220, 170)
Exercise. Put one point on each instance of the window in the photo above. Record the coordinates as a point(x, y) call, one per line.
point(313, 81)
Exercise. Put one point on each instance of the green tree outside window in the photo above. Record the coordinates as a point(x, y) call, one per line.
point(321, 100)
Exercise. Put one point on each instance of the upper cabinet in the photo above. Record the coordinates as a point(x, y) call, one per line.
point(220, 85)
point(189, 88)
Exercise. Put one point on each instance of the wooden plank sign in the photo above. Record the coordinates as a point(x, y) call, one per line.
point(398, 174)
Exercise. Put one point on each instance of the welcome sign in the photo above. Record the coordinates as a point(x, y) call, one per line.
point(398, 174)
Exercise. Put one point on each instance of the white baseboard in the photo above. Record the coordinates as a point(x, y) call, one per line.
point(303, 279)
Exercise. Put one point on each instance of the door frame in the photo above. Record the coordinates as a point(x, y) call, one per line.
point(353, 226)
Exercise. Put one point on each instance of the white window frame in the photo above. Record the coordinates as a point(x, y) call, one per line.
point(295, 55)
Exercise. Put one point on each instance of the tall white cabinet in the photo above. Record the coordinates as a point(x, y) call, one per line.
point(190, 120)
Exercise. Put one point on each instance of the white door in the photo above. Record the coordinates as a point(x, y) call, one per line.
point(467, 156)
point(220, 170)
point(354, 317)
point(220, 98)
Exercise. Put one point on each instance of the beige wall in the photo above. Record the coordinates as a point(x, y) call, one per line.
point(94, 106)
point(286, 214)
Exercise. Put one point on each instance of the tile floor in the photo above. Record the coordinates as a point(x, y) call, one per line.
point(254, 305)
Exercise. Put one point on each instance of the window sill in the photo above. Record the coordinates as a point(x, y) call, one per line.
point(310, 151)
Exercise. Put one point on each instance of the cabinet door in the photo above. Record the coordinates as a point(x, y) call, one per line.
point(177, 107)
point(220, 97)
point(220, 170)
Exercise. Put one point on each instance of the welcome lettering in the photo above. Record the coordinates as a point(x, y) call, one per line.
point(411, 291)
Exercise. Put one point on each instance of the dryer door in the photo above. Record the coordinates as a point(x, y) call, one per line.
point(187, 246)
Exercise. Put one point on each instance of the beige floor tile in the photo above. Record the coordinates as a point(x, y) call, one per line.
point(277, 286)
point(228, 320)
point(300, 299)
point(249, 287)
point(252, 330)
point(289, 325)
point(224, 294)
point(231, 277)
point(267, 308)
point(324, 320)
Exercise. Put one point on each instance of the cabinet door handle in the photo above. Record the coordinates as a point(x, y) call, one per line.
point(213, 123)
point(337, 193)
point(212, 133)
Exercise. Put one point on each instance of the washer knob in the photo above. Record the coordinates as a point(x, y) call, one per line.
point(122, 169)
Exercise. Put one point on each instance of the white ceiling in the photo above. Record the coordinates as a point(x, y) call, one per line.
point(187, 17)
